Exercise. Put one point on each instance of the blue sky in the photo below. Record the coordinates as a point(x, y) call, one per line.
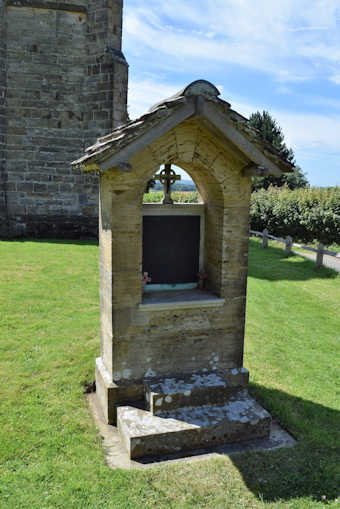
point(279, 55)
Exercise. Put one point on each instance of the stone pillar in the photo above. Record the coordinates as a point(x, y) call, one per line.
point(106, 84)
point(120, 289)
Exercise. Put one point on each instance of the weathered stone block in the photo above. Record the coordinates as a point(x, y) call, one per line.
point(147, 435)
point(193, 390)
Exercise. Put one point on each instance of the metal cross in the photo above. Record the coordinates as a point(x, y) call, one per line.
point(167, 177)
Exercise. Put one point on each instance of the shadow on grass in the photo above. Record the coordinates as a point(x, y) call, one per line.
point(272, 264)
point(90, 241)
point(311, 468)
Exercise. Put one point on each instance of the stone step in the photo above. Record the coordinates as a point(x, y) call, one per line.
point(148, 435)
point(193, 390)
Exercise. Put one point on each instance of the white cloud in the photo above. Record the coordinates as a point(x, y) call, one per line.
point(336, 79)
point(305, 132)
point(310, 132)
point(327, 52)
point(329, 102)
point(304, 29)
point(312, 136)
point(147, 92)
point(283, 38)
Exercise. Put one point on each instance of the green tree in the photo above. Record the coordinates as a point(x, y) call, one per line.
point(150, 185)
point(272, 133)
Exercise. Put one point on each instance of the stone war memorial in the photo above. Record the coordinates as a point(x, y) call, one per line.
point(173, 276)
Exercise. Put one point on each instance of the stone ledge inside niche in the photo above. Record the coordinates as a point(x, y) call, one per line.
point(179, 299)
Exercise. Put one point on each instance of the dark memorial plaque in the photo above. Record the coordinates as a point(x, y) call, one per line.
point(171, 246)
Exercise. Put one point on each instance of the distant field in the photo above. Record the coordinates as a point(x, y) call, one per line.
point(177, 196)
point(51, 455)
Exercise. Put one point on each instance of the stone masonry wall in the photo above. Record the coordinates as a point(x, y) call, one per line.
point(66, 86)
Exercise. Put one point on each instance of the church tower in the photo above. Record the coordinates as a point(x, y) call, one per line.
point(63, 83)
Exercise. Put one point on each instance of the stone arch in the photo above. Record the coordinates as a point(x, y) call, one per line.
point(168, 149)
point(216, 172)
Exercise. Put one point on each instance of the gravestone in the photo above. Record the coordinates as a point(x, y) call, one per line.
point(170, 374)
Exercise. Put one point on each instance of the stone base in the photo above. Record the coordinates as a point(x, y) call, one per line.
point(106, 392)
point(118, 457)
point(188, 428)
point(110, 395)
point(163, 416)
point(164, 394)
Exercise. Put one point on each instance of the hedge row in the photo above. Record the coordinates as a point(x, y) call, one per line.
point(304, 214)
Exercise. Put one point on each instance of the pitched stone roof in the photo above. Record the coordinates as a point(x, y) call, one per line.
point(201, 92)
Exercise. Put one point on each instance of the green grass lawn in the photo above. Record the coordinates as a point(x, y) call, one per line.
point(50, 453)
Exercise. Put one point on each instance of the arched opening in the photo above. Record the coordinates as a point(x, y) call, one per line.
point(181, 241)
point(183, 190)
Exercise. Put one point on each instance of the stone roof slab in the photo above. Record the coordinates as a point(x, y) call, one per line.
point(199, 99)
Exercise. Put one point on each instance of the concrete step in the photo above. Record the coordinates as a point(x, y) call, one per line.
point(193, 390)
point(148, 435)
